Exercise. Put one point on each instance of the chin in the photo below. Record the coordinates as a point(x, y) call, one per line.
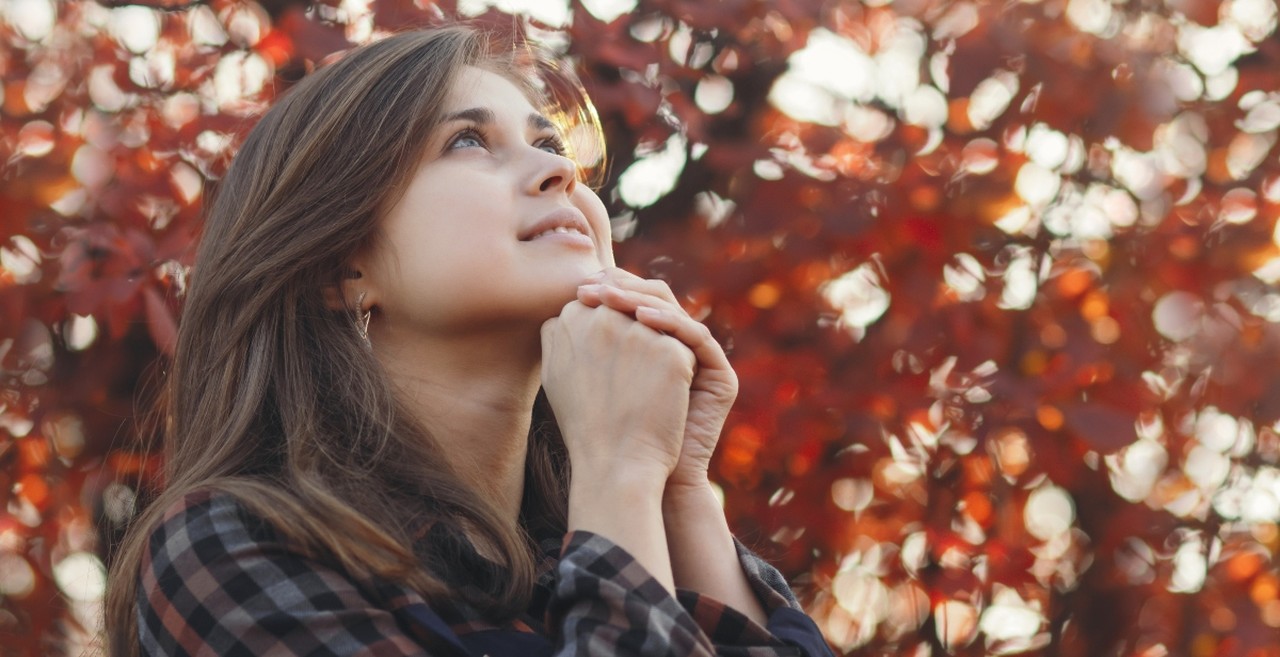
point(564, 294)
point(549, 299)
point(547, 291)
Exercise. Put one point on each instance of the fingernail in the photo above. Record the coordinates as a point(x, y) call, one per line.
point(589, 287)
point(598, 276)
point(649, 312)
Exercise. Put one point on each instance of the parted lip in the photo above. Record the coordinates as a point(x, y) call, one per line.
point(559, 218)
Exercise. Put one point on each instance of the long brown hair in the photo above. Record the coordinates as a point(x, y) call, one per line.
point(272, 397)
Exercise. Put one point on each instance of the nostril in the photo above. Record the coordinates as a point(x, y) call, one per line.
point(549, 183)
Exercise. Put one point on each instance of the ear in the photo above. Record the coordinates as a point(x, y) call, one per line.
point(343, 296)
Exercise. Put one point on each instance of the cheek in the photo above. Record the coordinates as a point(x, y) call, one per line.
point(428, 258)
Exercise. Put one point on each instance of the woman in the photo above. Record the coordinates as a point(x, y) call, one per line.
point(400, 264)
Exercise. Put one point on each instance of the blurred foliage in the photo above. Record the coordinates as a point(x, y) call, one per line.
point(1000, 280)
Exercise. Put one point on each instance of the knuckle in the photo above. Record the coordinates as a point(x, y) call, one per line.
point(662, 289)
point(611, 322)
point(677, 350)
point(616, 273)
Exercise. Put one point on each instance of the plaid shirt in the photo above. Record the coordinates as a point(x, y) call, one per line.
point(219, 581)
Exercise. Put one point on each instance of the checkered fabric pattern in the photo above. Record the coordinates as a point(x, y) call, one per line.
point(216, 580)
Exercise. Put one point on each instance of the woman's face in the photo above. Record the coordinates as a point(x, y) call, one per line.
point(494, 228)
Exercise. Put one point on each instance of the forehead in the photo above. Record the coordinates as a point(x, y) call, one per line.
point(477, 87)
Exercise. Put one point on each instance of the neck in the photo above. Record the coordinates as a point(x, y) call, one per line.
point(474, 394)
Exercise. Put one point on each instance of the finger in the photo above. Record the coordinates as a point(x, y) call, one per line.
point(602, 320)
point(626, 280)
point(663, 316)
point(690, 332)
point(624, 301)
point(573, 310)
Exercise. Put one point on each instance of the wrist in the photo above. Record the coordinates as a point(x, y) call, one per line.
point(689, 495)
point(626, 509)
point(683, 482)
point(617, 476)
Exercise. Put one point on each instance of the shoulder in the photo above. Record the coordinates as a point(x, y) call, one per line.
point(217, 579)
point(207, 541)
point(202, 526)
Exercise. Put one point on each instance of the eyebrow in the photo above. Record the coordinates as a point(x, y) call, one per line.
point(485, 116)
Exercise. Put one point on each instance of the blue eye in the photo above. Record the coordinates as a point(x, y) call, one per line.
point(552, 145)
point(467, 138)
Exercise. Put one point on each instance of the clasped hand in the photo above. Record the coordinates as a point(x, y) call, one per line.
point(635, 382)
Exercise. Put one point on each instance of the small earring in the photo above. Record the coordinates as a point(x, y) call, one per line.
point(362, 321)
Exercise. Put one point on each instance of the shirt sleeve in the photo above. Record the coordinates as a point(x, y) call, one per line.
point(787, 630)
point(605, 603)
point(215, 581)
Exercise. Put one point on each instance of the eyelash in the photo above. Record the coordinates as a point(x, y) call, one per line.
point(553, 141)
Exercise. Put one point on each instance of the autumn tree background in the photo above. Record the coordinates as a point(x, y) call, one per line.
point(1000, 281)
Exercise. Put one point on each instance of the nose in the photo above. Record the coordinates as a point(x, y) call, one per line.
point(554, 173)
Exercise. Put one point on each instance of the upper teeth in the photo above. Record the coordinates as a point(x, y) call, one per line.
point(557, 229)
